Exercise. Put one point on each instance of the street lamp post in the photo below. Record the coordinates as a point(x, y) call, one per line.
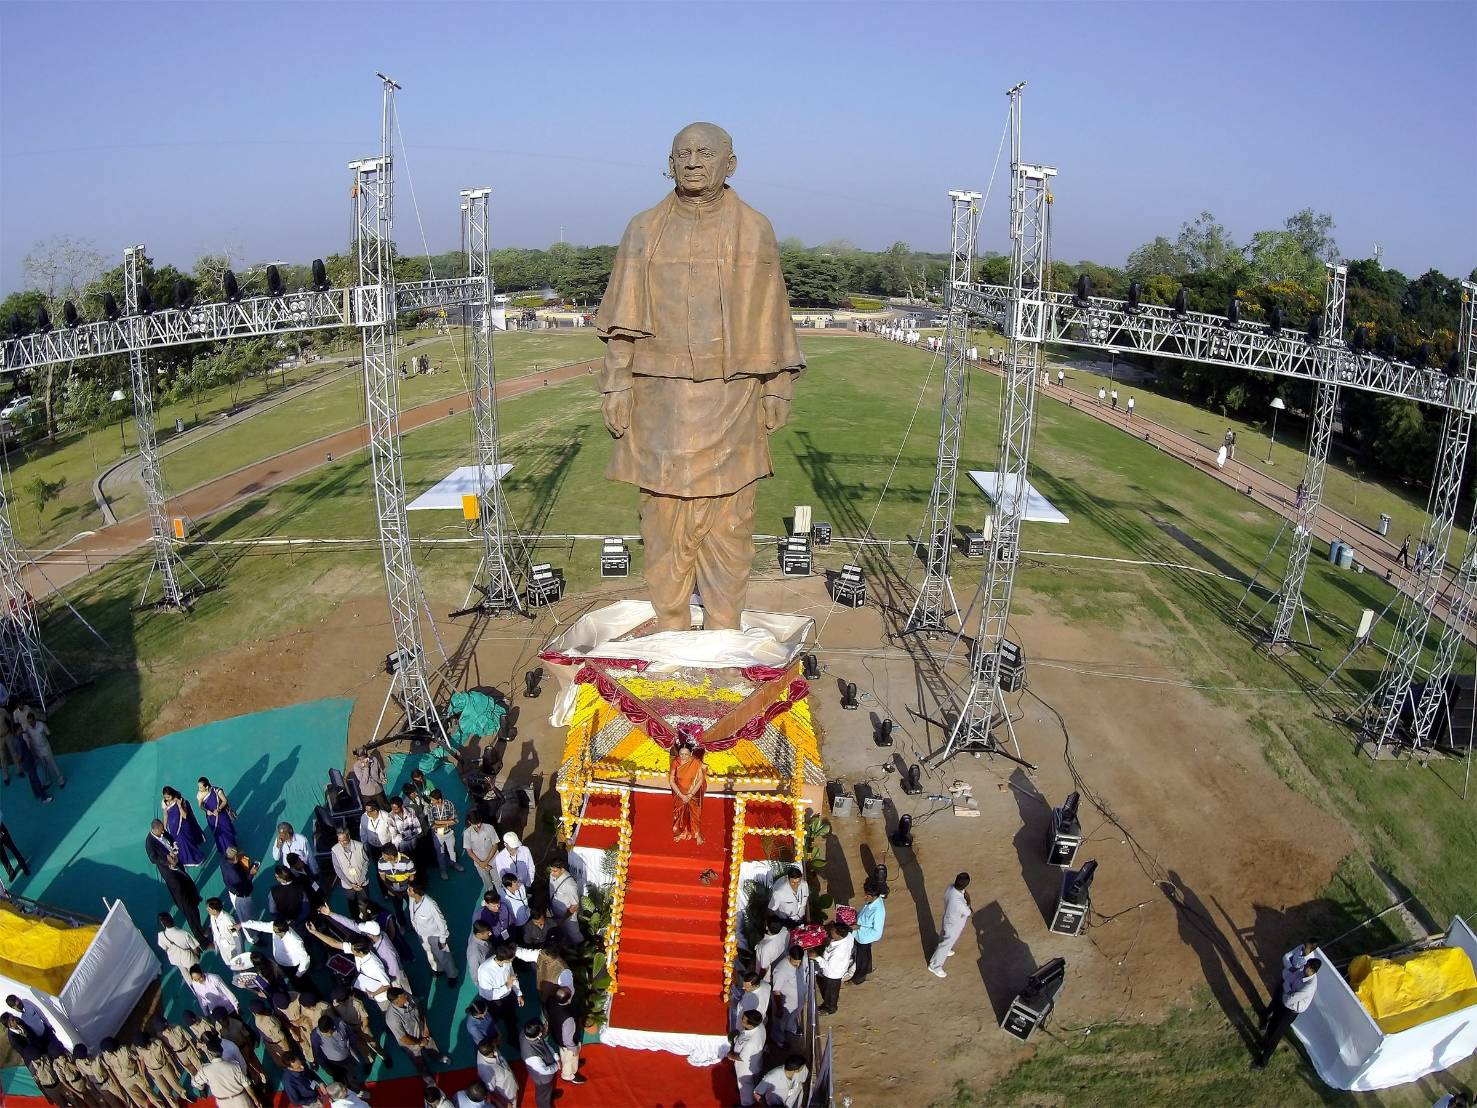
point(117, 398)
point(1277, 406)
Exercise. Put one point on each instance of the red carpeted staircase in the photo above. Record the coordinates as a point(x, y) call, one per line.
point(669, 973)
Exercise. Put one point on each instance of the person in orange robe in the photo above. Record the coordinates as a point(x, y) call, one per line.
point(689, 781)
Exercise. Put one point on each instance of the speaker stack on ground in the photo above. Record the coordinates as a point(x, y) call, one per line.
point(545, 585)
point(615, 558)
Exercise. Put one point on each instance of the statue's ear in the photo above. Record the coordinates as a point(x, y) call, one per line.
point(731, 167)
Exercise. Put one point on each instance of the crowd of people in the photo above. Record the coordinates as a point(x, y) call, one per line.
point(25, 747)
point(311, 967)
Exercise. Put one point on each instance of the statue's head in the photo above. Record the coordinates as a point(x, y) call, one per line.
point(701, 160)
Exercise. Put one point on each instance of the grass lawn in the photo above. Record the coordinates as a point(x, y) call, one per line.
point(1125, 500)
point(336, 404)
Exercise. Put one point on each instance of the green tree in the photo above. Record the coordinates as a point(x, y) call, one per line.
point(1314, 233)
point(1155, 259)
point(41, 492)
point(1205, 246)
point(813, 281)
point(1277, 256)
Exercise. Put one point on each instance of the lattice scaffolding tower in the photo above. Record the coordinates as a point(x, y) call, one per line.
point(984, 705)
point(494, 580)
point(373, 193)
point(23, 667)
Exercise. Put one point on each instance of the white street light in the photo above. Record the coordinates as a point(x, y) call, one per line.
point(1277, 406)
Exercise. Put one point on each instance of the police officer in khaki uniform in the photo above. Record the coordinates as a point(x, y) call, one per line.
point(130, 1075)
point(104, 1086)
point(161, 1067)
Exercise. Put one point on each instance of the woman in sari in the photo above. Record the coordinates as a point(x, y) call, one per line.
point(218, 814)
point(689, 781)
point(179, 821)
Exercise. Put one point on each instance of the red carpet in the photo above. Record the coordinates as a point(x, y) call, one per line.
point(670, 969)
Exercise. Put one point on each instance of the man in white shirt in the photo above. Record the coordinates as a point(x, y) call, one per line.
point(479, 842)
point(179, 946)
point(790, 994)
point(515, 858)
point(339, 1096)
point(1298, 989)
point(288, 950)
point(515, 901)
point(564, 902)
point(754, 996)
point(373, 979)
point(352, 868)
point(428, 921)
point(957, 911)
point(290, 842)
point(789, 898)
point(784, 1085)
point(225, 932)
point(771, 948)
point(384, 949)
point(495, 1073)
point(833, 965)
point(747, 1054)
point(497, 983)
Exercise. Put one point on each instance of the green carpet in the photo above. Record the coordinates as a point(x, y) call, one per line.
point(89, 843)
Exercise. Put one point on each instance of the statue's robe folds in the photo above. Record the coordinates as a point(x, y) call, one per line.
point(697, 326)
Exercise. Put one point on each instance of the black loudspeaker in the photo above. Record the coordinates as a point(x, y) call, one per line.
point(903, 836)
point(1012, 667)
point(883, 737)
point(811, 666)
point(848, 697)
point(913, 780)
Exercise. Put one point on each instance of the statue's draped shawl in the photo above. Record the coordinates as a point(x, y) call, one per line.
point(758, 335)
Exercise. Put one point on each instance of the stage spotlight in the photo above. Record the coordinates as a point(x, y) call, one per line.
point(1084, 290)
point(531, 681)
point(1034, 1003)
point(1133, 296)
point(1233, 312)
point(1423, 355)
point(1181, 302)
point(145, 301)
point(183, 294)
point(848, 696)
point(110, 306)
point(811, 666)
point(1389, 346)
point(230, 285)
point(879, 875)
point(43, 319)
point(1274, 320)
point(1066, 833)
point(69, 314)
point(883, 736)
point(1360, 342)
point(320, 276)
point(1454, 364)
point(274, 281)
point(16, 326)
point(1081, 883)
point(903, 836)
point(1315, 331)
point(913, 780)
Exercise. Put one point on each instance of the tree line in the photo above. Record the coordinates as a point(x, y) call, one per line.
point(1281, 268)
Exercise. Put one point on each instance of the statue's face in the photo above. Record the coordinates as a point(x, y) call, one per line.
point(701, 160)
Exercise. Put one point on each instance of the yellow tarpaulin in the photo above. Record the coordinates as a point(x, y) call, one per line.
point(1403, 992)
point(41, 953)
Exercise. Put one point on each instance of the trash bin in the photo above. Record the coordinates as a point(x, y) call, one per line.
point(1384, 524)
point(1346, 556)
point(1333, 550)
point(179, 426)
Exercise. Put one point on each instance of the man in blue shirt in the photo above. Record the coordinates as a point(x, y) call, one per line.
point(870, 919)
point(300, 1083)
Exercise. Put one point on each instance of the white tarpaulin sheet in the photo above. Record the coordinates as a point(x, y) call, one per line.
point(766, 639)
point(114, 972)
point(1038, 508)
point(699, 1050)
point(1349, 1051)
point(448, 492)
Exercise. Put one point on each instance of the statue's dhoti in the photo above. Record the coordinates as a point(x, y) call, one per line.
point(705, 542)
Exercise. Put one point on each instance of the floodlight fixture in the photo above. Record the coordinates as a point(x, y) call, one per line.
point(230, 286)
point(69, 314)
point(110, 306)
point(43, 319)
point(1389, 346)
point(1274, 320)
point(118, 395)
point(1233, 312)
point(1360, 342)
point(1181, 303)
point(1133, 296)
point(320, 276)
point(274, 281)
point(1315, 331)
point(145, 300)
point(1084, 290)
point(184, 296)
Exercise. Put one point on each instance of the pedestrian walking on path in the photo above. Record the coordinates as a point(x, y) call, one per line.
point(956, 914)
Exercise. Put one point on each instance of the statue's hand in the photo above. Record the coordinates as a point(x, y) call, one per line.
point(616, 408)
point(776, 413)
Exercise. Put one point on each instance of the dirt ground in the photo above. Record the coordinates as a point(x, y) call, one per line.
point(1207, 867)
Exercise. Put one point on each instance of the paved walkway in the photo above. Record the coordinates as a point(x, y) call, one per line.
point(95, 549)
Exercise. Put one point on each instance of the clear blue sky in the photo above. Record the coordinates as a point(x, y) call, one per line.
point(199, 126)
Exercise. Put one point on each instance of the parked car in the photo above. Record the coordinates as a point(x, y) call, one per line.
point(17, 407)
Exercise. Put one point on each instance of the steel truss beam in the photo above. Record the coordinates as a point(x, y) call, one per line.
point(168, 566)
point(984, 704)
point(494, 579)
point(23, 667)
point(936, 604)
point(1320, 437)
point(360, 306)
point(372, 198)
point(1460, 611)
point(1107, 324)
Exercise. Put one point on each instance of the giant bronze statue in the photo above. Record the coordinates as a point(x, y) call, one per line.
point(700, 366)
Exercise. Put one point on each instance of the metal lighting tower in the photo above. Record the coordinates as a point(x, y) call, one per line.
point(494, 578)
point(23, 668)
point(372, 194)
point(1320, 436)
point(1391, 696)
point(1030, 232)
point(168, 566)
point(936, 604)
point(1460, 609)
